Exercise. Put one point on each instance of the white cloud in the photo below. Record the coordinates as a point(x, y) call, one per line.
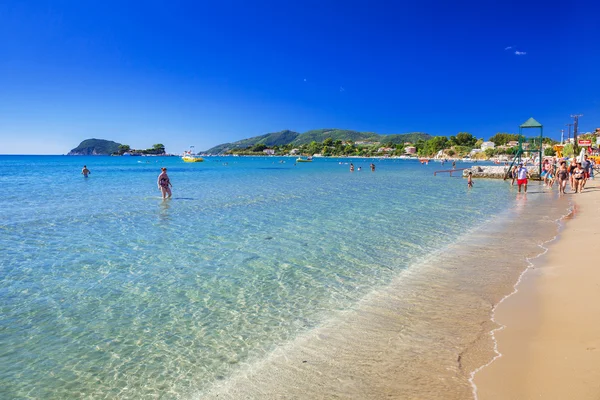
point(508, 48)
point(520, 53)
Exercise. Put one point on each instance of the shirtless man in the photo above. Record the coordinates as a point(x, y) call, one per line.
point(85, 171)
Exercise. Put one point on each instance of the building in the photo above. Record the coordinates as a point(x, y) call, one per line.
point(512, 143)
point(487, 145)
point(410, 149)
point(269, 152)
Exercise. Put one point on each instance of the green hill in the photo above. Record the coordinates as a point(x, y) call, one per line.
point(317, 135)
point(95, 147)
point(270, 139)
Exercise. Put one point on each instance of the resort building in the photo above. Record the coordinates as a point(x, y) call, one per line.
point(269, 152)
point(487, 145)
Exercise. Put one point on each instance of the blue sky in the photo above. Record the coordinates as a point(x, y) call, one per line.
point(204, 73)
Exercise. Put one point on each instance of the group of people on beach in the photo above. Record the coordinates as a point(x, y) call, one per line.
point(575, 172)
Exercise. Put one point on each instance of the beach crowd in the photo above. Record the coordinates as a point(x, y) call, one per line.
point(562, 171)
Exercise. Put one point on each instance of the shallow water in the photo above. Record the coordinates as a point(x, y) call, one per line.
point(260, 278)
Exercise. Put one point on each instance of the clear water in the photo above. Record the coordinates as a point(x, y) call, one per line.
point(107, 291)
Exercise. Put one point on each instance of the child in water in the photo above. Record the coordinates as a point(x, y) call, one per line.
point(470, 180)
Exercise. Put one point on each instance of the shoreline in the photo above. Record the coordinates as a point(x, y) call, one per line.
point(548, 342)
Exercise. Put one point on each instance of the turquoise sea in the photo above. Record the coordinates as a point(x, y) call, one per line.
point(258, 279)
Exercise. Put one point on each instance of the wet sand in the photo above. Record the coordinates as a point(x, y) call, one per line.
point(550, 345)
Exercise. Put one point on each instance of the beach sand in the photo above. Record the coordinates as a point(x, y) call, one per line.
point(550, 346)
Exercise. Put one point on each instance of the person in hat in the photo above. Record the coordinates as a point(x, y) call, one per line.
point(522, 176)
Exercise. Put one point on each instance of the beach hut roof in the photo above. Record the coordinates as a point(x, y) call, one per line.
point(531, 123)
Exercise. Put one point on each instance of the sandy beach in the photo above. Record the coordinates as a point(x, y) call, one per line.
point(550, 343)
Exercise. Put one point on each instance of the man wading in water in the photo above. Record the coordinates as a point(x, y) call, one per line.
point(522, 175)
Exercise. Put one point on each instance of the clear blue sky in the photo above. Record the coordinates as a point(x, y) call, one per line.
point(206, 72)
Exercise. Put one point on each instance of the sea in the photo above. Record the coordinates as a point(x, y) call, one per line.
point(260, 278)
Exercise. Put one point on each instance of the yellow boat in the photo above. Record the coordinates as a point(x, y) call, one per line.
point(189, 156)
point(192, 158)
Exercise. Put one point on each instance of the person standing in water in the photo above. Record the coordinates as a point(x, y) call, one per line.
point(470, 180)
point(522, 175)
point(351, 167)
point(164, 184)
point(372, 167)
point(85, 171)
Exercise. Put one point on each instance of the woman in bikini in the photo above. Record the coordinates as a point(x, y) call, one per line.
point(164, 184)
point(563, 176)
point(578, 175)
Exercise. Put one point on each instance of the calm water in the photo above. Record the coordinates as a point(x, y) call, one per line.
point(107, 291)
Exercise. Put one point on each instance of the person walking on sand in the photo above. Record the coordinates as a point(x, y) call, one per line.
point(586, 165)
point(563, 176)
point(513, 175)
point(578, 178)
point(85, 171)
point(164, 184)
point(522, 175)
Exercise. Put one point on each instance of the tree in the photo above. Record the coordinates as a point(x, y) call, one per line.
point(549, 151)
point(258, 147)
point(328, 142)
point(465, 139)
point(158, 148)
point(502, 138)
point(124, 148)
point(568, 150)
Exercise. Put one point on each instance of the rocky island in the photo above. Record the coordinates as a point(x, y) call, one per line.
point(95, 147)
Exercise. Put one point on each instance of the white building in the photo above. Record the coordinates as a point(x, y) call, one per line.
point(487, 145)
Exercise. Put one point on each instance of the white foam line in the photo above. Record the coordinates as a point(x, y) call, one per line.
point(515, 290)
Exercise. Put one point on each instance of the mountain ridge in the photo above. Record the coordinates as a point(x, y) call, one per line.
point(286, 137)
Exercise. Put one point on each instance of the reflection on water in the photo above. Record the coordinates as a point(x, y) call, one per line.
point(163, 214)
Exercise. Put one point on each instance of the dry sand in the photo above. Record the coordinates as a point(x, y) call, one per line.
point(550, 345)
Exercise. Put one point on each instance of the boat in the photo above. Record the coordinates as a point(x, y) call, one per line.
point(307, 159)
point(189, 156)
point(192, 158)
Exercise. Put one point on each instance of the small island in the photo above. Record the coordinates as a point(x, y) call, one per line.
point(101, 147)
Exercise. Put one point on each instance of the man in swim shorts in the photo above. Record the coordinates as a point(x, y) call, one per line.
point(85, 171)
point(522, 175)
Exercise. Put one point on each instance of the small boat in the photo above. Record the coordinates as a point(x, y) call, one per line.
point(300, 159)
point(192, 158)
point(189, 156)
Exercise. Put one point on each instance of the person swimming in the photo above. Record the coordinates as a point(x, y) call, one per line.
point(85, 171)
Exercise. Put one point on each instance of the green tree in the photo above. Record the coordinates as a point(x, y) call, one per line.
point(465, 139)
point(568, 150)
point(258, 147)
point(502, 138)
point(328, 142)
point(124, 148)
point(490, 152)
point(549, 151)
